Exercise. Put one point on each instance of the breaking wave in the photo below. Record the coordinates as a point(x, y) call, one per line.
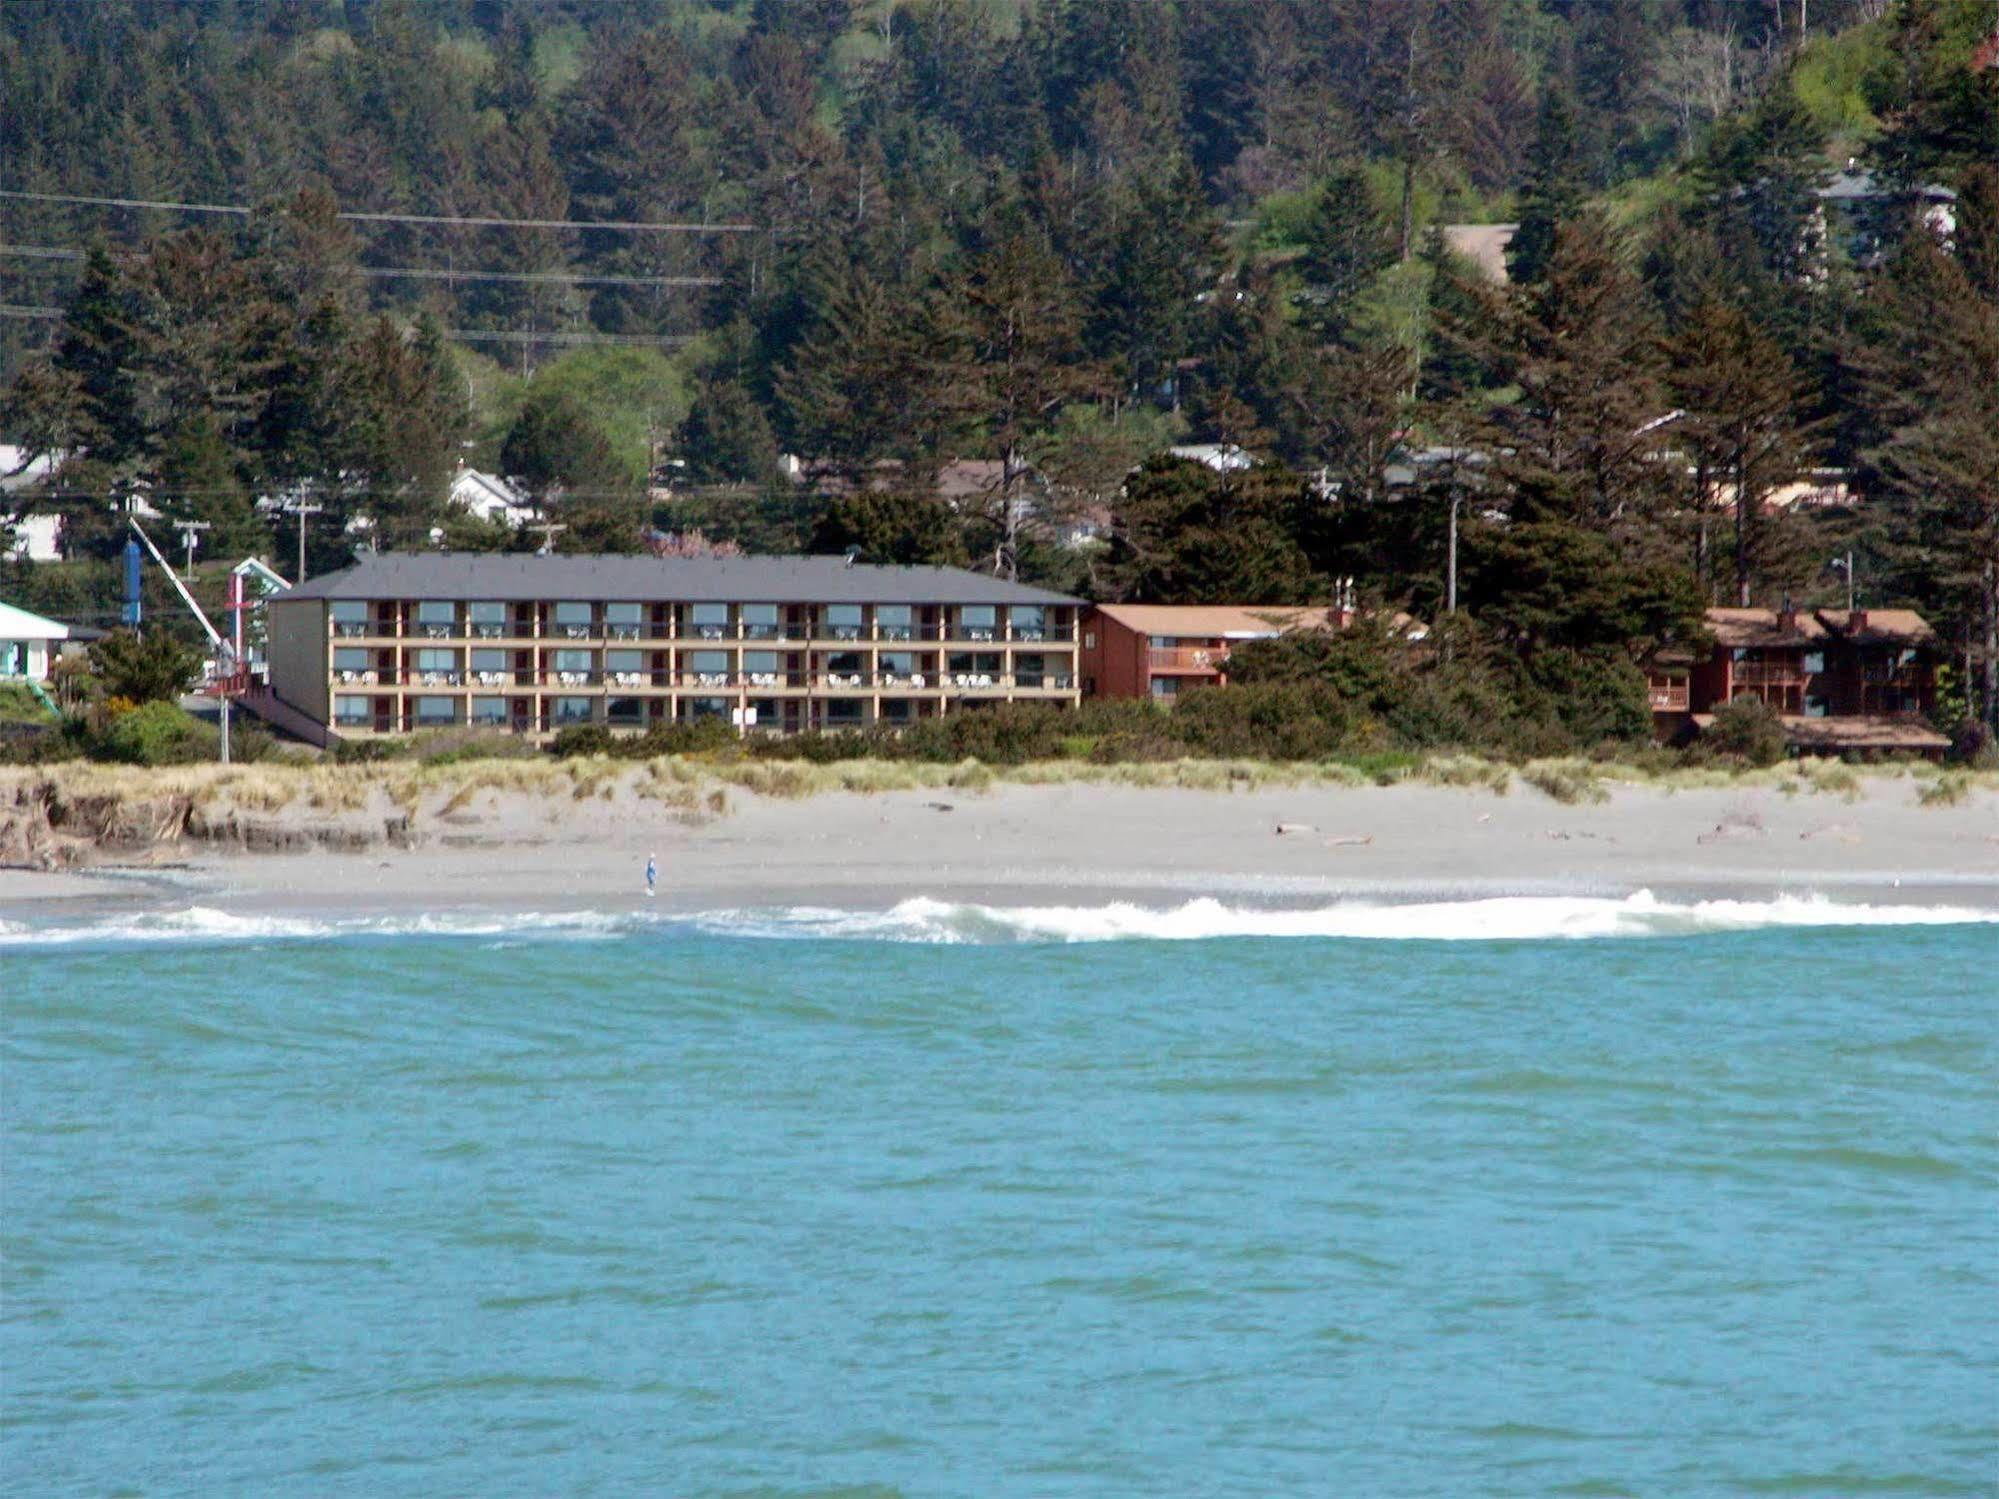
point(209, 924)
point(924, 920)
point(1499, 919)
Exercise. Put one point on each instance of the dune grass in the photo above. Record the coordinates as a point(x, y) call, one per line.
point(698, 787)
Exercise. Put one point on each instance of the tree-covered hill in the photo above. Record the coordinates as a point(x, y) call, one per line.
point(593, 241)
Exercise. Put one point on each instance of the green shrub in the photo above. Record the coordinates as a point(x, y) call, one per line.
point(158, 733)
point(1263, 720)
point(370, 751)
point(582, 741)
point(452, 746)
point(1749, 728)
point(1003, 734)
point(153, 667)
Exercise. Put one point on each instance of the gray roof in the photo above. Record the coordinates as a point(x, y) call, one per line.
point(698, 580)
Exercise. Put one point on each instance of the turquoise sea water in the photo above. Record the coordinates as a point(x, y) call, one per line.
point(783, 1207)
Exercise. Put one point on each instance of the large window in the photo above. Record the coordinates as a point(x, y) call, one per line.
point(704, 707)
point(489, 712)
point(843, 621)
point(707, 668)
point(844, 712)
point(491, 667)
point(844, 669)
point(623, 621)
point(437, 663)
point(573, 620)
point(895, 621)
point(350, 617)
point(489, 620)
point(353, 712)
point(625, 668)
point(896, 666)
point(760, 668)
point(568, 710)
point(352, 658)
point(436, 618)
point(709, 621)
point(435, 712)
point(1030, 622)
point(1030, 671)
point(1165, 686)
point(978, 621)
point(574, 668)
point(973, 668)
point(625, 712)
point(759, 621)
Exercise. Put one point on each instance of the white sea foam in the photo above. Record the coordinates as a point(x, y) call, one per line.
point(924, 920)
point(1506, 918)
point(209, 924)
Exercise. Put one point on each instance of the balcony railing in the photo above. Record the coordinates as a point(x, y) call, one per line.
point(1768, 674)
point(1669, 698)
point(1187, 658)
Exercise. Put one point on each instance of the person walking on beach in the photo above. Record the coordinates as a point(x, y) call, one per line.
point(652, 875)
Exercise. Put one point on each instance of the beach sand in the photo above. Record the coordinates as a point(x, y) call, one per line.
point(1027, 845)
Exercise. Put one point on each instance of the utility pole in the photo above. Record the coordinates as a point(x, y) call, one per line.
point(1451, 567)
point(548, 530)
point(301, 509)
point(190, 533)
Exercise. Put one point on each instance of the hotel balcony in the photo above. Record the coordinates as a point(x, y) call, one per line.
point(1187, 658)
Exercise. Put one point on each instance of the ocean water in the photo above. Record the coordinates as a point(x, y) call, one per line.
point(1528, 1197)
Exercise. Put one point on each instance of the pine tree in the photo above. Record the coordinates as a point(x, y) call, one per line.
point(1347, 244)
point(1931, 373)
point(1578, 443)
point(1018, 321)
point(1553, 192)
point(1742, 425)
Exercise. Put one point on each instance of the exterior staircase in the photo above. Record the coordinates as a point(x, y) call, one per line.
point(283, 717)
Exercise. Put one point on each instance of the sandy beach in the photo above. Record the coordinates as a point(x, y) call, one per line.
point(1026, 845)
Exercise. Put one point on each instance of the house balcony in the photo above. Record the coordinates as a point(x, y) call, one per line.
point(1187, 658)
point(1768, 674)
point(1669, 697)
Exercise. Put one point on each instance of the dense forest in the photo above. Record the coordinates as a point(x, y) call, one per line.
point(979, 264)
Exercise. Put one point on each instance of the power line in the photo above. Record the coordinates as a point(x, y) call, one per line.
point(470, 335)
point(618, 226)
point(422, 273)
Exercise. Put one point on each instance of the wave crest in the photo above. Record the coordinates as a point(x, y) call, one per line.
point(1497, 919)
point(921, 919)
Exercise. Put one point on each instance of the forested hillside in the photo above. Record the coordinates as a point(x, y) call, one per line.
point(629, 253)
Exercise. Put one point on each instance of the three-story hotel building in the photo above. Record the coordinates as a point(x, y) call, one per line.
point(403, 642)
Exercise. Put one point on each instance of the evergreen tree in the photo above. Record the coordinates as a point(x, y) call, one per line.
point(1743, 404)
point(1188, 535)
point(1932, 377)
point(726, 437)
point(1553, 192)
point(1977, 237)
point(1017, 319)
point(554, 450)
point(1578, 443)
point(1347, 244)
point(1165, 257)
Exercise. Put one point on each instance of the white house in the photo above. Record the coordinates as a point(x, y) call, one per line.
point(490, 498)
point(32, 538)
point(1222, 457)
point(28, 644)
